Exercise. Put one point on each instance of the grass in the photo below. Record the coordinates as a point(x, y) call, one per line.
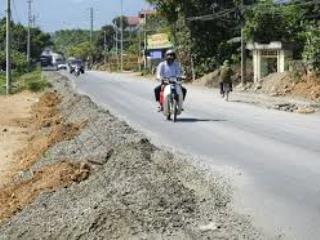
point(33, 81)
point(2, 84)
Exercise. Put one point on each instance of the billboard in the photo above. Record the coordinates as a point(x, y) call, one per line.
point(159, 41)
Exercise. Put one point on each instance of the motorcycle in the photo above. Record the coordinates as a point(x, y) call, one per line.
point(77, 71)
point(171, 98)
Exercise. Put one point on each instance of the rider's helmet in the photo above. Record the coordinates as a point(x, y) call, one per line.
point(170, 56)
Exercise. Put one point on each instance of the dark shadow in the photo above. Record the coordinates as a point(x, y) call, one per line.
point(191, 120)
point(242, 101)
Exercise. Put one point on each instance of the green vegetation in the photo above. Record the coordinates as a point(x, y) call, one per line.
point(76, 43)
point(205, 41)
point(40, 40)
point(33, 81)
point(311, 53)
point(2, 84)
point(22, 79)
point(295, 23)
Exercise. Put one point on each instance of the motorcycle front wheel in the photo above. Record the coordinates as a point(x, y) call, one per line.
point(175, 111)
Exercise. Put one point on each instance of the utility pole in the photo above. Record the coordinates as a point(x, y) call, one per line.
point(8, 49)
point(91, 25)
point(139, 53)
point(145, 40)
point(243, 47)
point(30, 19)
point(121, 27)
point(105, 45)
point(117, 47)
point(91, 36)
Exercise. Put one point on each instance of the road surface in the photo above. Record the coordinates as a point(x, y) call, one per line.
point(276, 154)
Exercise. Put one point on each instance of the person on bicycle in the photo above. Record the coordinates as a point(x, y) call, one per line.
point(225, 76)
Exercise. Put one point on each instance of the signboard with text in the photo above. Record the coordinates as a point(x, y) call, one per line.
point(159, 41)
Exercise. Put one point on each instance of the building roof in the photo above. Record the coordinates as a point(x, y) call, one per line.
point(147, 12)
point(133, 21)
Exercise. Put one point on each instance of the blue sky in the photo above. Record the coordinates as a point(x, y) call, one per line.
point(52, 15)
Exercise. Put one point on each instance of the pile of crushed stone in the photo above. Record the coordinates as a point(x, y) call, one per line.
point(134, 191)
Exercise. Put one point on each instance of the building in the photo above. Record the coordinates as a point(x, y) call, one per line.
point(269, 58)
point(133, 23)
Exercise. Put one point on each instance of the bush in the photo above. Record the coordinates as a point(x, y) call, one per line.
point(33, 81)
point(311, 53)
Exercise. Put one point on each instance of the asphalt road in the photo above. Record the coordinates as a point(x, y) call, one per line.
point(273, 156)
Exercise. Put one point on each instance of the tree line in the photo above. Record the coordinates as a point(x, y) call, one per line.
point(39, 41)
point(208, 43)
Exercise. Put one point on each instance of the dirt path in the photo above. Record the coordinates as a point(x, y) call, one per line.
point(15, 111)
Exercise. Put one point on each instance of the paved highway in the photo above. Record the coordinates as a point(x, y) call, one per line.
point(274, 156)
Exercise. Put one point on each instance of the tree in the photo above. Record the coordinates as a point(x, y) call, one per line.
point(64, 39)
point(268, 22)
point(117, 21)
point(39, 41)
point(311, 53)
point(204, 41)
point(108, 32)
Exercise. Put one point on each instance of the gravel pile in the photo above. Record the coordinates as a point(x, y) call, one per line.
point(135, 190)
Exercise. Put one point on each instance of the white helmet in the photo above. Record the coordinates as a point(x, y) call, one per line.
point(171, 52)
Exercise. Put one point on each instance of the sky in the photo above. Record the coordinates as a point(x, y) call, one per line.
point(52, 15)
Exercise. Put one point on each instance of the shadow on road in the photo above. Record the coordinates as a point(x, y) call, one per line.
point(191, 120)
point(242, 101)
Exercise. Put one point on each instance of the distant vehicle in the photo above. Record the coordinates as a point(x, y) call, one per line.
point(46, 61)
point(62, 66)
point(51, 60)
point(57, 59)
point(73, 63)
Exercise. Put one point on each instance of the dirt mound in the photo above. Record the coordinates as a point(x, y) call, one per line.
point(210, 80)
point(15, 197)
point(49, 128)
point(45, 111)
point(276, 84)
point(308, 87)
point(284, 84)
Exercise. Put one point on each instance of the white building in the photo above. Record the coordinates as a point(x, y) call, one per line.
point(269, 58)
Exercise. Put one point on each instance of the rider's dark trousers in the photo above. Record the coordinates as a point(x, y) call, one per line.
point(157, 91)
point(221, 87)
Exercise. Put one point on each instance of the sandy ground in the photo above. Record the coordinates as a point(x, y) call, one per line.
point(15, 112)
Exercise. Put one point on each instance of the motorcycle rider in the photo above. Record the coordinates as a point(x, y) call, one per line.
point(225, 76)
point(166, 69)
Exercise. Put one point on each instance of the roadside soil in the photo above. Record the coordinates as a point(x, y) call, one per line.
point(277, 91)
point(15, 115)
point(97, 178)
point(30, 125)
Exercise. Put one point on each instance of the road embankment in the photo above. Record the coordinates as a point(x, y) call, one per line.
point(97, 178)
